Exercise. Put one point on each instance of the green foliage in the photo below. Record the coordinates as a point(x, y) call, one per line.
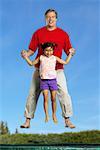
point(87, 137)
point(16, 131)
point(4, 128)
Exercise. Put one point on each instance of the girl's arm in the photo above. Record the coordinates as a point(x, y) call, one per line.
point(62, 61)
point(31, 63)
point(68, 58)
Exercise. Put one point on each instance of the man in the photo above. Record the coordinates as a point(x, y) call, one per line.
point(49, 33)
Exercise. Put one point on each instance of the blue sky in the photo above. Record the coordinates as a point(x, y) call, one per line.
point(18, 20)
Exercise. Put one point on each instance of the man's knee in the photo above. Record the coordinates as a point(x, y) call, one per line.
point(63, 93)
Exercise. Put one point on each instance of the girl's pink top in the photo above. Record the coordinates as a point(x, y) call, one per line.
point(47, 67)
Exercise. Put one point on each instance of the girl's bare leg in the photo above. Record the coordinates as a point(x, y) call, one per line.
point(53, 100)
point(45, 95)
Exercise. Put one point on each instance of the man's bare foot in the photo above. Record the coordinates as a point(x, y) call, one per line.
point(68, 123)
point(54, 119)
point(26, 124)
point(46, 118)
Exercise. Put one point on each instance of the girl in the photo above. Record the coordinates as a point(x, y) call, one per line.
point(48, 75)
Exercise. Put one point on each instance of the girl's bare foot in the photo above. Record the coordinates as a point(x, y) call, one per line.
point(54, 119)
point(46, 118)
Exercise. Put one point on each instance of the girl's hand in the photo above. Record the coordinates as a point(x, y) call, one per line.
point(72, 51)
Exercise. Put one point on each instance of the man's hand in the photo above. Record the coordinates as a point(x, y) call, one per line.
point(24, 54)
point(27, 53)
point(72, 51)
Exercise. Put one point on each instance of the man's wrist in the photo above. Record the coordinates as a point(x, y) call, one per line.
point(29, 52)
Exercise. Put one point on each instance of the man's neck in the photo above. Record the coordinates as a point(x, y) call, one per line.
point(51, 28)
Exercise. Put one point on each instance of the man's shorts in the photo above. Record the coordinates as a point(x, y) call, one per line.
point(48, 84)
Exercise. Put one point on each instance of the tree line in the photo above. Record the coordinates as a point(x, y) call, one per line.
point(4, 129)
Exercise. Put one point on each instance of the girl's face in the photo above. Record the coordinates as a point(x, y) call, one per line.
point(48, 51)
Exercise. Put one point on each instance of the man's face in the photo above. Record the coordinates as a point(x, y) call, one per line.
point(51, 19)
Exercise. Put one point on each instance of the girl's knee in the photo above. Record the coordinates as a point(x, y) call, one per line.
point(53, 100)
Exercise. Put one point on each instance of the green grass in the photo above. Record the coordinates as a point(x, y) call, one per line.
point(87, 137)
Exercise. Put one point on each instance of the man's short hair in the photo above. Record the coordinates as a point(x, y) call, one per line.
point(51, 10)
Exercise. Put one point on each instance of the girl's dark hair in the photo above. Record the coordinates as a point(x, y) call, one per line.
point(51, 10)
point(48, 44)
